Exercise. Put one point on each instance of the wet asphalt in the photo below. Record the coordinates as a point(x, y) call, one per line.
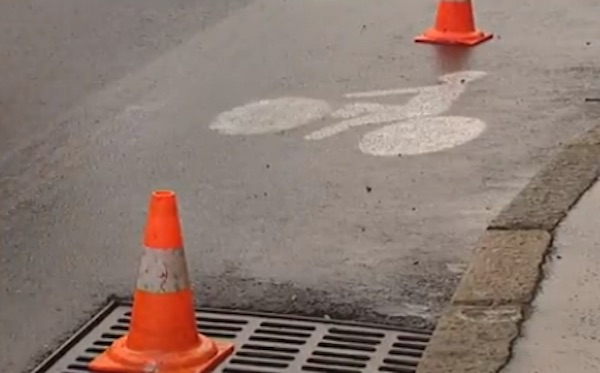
point(100, 104)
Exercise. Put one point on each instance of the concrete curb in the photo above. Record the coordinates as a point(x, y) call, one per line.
point(477, 331)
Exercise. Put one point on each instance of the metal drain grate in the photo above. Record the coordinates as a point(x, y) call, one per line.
point(264, 344)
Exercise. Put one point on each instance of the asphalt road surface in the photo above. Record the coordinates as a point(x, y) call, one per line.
point(103, 102)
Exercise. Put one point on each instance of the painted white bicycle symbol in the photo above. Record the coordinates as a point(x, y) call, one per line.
point(416, 127)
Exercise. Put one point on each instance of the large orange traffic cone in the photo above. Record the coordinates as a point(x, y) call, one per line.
point(162, 337)
point(454, 24)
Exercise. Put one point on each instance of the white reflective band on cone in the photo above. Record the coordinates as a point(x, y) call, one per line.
point(163, 271)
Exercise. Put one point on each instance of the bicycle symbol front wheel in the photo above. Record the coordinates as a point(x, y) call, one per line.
point(421, 136)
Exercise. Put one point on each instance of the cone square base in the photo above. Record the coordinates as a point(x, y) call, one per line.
point(433, 36)
point(106, 364)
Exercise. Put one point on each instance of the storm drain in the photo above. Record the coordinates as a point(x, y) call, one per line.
point(263, 343)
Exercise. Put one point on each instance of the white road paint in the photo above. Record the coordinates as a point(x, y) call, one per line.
point(354, 110)
point(386, 92)
point(268, 116)
point(429, 101)
point(422, 135)
point(413, 128)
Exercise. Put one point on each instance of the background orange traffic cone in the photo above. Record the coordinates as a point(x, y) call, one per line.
point(163, 337)
point(454, 24)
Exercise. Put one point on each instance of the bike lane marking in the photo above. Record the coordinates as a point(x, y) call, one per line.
point(268, 116)
point(429, 101)
point(421, 136)
point(412, 128)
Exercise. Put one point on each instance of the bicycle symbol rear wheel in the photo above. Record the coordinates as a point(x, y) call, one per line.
point(269, 116)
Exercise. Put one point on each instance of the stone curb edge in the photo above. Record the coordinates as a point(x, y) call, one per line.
point(477, 330)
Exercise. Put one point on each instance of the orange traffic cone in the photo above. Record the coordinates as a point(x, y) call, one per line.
point(162, 337)
point(454, 24)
